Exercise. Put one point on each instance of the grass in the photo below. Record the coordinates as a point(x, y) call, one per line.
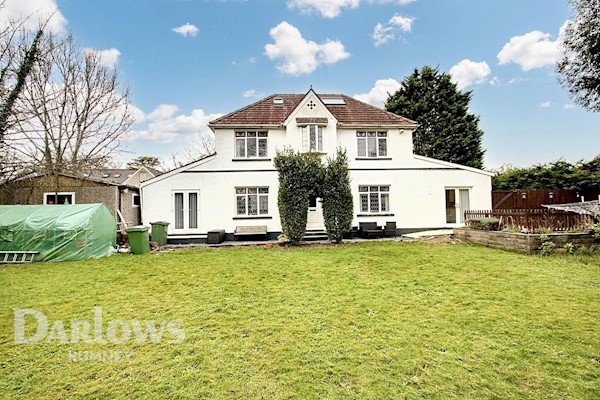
point(365, 321)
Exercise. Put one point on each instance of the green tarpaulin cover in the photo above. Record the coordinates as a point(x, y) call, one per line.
point(59, 232)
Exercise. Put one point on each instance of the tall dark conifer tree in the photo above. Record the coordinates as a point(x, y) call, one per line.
point(447, 131)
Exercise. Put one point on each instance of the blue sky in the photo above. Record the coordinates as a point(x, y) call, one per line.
point(188, 61)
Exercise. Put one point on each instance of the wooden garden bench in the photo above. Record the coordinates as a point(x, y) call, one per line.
point(258, 230)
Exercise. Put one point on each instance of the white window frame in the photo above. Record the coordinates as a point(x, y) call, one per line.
point(72, 194)
point(371, 138)
point(316, 131)
point(133, 196)
point(382, 192)
point(244, 192)
point(247, 136)
point(458, 207)
point(186, 210)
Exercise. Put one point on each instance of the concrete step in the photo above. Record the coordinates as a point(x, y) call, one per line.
point(314, 235)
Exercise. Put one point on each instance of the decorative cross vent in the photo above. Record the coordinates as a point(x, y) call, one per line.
point(311, 105)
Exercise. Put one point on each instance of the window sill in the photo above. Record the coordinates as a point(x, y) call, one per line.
point(251, 159)
point(253, 217)
point(320, 153)
point(376, 215)
point(372, 158)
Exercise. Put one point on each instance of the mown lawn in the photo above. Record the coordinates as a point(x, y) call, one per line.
point(367, 321)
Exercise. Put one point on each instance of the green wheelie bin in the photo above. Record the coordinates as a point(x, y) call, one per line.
point(159, 232)
point(138, 239)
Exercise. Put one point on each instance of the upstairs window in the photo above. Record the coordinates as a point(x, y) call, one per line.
point(252, 201)
point(374, 199)
point(372, 144)
point(251, 144)
point(315, 138)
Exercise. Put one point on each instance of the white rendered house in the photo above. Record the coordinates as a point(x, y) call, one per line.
point(238, 184)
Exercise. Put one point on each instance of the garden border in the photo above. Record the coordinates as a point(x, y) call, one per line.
point(528, 243)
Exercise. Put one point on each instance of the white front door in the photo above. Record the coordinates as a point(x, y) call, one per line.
point(315, 214)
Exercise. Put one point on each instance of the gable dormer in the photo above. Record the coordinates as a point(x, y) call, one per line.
point(311, 127)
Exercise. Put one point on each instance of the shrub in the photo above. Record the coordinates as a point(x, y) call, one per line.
point(300, 176)
point(547, 247)
point(569, 248)
point(596, 229)
point(485, 224)
point(512, 229)
point(337, 197)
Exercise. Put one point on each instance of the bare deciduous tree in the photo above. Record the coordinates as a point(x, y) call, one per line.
point(74, 110)
point(202, 146)
point(19, 52)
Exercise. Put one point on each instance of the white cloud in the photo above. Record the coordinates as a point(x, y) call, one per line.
point(535, 49)
point(495, 81)
point(405, 23)
point(186, 30)
point(108, 58)
point(34, 13)
point(383, 33)
point(165, 126)
point(332, 51)
point(326, 8)
point(378, 94)
point(569, 106)
point(298, 55)
point(163, 111)
point(253, 93)
point(546, 104)
point(468, 72)
point(333, 8)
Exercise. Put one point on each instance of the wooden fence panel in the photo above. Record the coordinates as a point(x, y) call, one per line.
point(534, 219)
point(531, 199)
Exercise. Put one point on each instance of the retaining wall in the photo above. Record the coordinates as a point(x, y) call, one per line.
point(521, 242)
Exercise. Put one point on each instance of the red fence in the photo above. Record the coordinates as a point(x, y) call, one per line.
point(534, 219)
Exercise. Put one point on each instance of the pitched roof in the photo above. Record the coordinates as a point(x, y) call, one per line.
point(111, 175)
point(267, 112)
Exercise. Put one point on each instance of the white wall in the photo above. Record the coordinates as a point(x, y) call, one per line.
point(417, 185)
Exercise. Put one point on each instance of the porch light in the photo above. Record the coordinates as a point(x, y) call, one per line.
point(551, 195)
point(524, 195)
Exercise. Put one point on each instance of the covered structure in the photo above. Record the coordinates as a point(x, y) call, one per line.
point(591, 208)
point(58, 232)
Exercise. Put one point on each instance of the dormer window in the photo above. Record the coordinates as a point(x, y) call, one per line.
point(315, 138)
point(251, 144)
